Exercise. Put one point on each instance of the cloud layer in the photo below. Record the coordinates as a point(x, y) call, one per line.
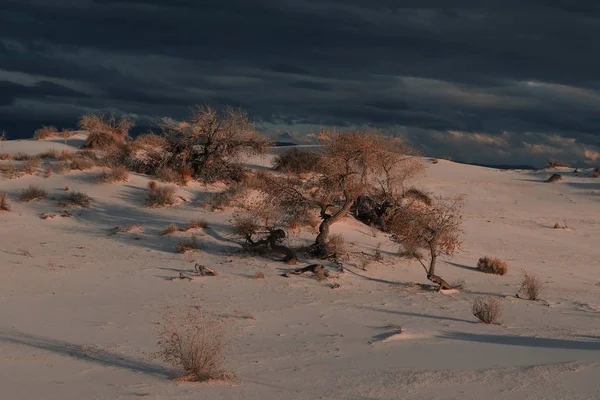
point(474, 80)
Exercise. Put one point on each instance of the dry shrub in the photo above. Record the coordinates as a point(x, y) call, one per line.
point(195, 224)
point(596, 172)
point(165, 174)
point(130, 228)
point(190, 244)
point(4, 206)
point(48, 154)
point(30, 165)
point(20, 156)
point(60, 167)
point(105, 131)
point(170, 229)
point(297, 161)
point(10, 171)
point(419, 195)
point(112, 175)
point(74, 199)
point(160, 196)
point(531, 286)
point(557, 164)
point(491, 265)
point(45, 132)
point(337, 245)
point(81, 163)
point(487, 309)
point(150, 140)
point(33, 192)
point(220, 200)
point(194, 344)
point(554, 178)
point(5, 156)
point(259, 275)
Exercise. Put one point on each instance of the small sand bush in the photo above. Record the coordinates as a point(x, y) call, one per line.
point(45, 132)
point(531, 287)
point(557, 164)
point(10, 171)
point(220, 200)
point(5, 156)
point(258, 275)
point(297, 161)
point(105, 132)
point(554, 178)
point(165, 174)
point(20, 156)
point(337, 245)
point(33, 163)
point(419, 195)
point(160, 196)
point(112, 175)
point(75, 199)
point(491, 265)
point(487, 309)
point(169, 230)
point(195, 224)
point(4, 206)
point(190, 244)
point(150, 140)
point(195, 345)
point(33, 192)
point(48, 154)
point(82, 163)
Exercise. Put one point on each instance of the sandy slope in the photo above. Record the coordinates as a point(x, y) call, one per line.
point(77, 318)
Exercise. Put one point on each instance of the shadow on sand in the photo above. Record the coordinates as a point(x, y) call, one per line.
point(592, 343)
point(83, 353)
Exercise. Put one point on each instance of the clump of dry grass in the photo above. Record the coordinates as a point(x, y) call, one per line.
point(337, 245)
point(48, 154)
point(487, 309)
point(5, 156)
point(112, 175)
point(33, 192)
point(74, 199)
point(297, 161)
point(160, 196)
point(220, 200)
point(10, 171)
point(130, 228)
point(105, 131)
point(171, 228)
point(557, 164)
point(554, 178)
point(81, 163)
point(168, 175)
point(45, 132)
point(531, 287)
point(190, 244)
point(4, 206)
point(195, 224)
point(195, 345)
point(258, 275)
point(492, 265)
point(31, 164)
point(419, 195)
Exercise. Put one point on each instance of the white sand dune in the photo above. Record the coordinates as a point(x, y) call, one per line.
point(79, 304)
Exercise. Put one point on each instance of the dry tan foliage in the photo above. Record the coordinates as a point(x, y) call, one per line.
point(337, 245)
point(556, 164)
point(76, 199)
point(130, 228)
point(487, 309)
point(258, 275)
point(352, 164)
point(531, 287)
point(209, 143)
point(112, 175)
point(4, 205)
point(226, 198)
point(33, 192)
point(47, 172)
point(492, 265)
point(191, 244)
point(45, 132)
point(48, 154)
point(195, 224)
point(419, 195)
point(165, 174)
point(554, 178)
point(32, 164)
point(194, 344)
point(160, 196)
point(105, 131)
point(81, 163)
point(6, 156)
point(435, 229)
point(297, 161)
point(170, 229)
point(150, 140)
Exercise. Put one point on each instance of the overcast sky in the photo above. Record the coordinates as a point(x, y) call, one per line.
point(480, 82)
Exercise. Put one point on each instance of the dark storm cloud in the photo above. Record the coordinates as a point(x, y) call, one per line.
point(527, 67)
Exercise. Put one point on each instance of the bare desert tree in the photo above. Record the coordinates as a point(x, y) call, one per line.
point(105, 131)
point(351, 164)
point(210, 142)
point(434, 228)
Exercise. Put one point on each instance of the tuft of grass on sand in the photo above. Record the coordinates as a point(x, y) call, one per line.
point(191, 244)
point(4, 205)
point(492, 265)
point(76, 199)
point(160, 196)
point(33, 192)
